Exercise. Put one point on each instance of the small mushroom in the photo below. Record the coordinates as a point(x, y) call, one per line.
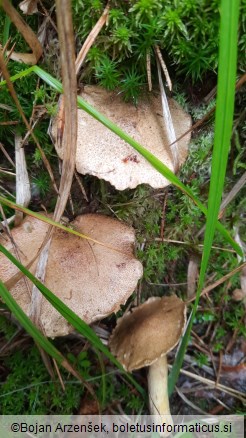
point(91, 279)
point(103, 154)
point(143, 337)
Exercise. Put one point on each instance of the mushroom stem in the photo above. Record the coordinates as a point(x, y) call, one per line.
point(158, 393)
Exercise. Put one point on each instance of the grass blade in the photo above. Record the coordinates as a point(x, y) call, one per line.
point(7, 23)
point(50, 221)
point(223, 128)
point(68, 314)
point(31, 328)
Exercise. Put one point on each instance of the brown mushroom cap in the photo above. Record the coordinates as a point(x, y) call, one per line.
point(148, 332)
point(103, 154)
point(92, 280)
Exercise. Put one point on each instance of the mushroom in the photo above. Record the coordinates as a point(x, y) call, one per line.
point(143, 337)
point(91, 279)
point(103, 154)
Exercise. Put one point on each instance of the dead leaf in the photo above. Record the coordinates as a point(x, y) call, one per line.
point(28, 7)
point(88, 407)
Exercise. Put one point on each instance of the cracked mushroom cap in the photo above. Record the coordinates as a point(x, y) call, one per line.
point(103, 154)
point(148, 332)
point(92, 280)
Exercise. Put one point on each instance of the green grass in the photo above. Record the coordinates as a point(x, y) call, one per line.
point(135, 27)
point(28, 388)
point(223, 129)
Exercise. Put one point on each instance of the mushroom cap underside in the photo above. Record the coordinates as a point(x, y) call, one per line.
point(103, 154)
point(91, 279)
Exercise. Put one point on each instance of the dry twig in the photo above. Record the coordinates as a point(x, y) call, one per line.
point(27, 33)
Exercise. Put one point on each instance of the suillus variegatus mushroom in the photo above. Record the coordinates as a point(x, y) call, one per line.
point(143, 338)
point(91, 279)
point(103, 154)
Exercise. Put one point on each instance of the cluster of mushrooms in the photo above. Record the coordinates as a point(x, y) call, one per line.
point(95, 280)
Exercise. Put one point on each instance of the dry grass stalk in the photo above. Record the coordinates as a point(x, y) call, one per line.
point(192, 276)
point(81, 185)
point(148, 68)
point(18, 105)
point(232, 392)
point(66, 39)
point(164, 67)
point(207, 116)
point(23, 187)
point(220, 281)
point(228, 198)
point(191, 244)
point(27, 33)
point(168, 121)
point(91, 38)
point(6, 155)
